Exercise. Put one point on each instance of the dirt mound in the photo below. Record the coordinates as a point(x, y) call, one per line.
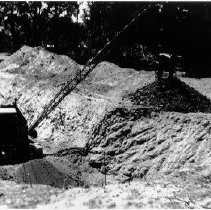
point(33, 76)
point(171, 95)
point(37, 61)
point(142, 142)
point(136, 143)
point(158, 144)
point(43, 172)
point(110, 80)
point(57, 172)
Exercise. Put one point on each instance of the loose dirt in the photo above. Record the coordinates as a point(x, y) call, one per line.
point(13, 195)
point(146, 130)
point(159, 144)
point(136, 195)
point(33, 76)
point(171, 95)
point(57, 172)
point(141, 142)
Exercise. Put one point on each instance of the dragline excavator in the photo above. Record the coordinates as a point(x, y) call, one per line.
point(14, 136)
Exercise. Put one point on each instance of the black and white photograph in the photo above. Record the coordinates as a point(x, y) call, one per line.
point(105, 105)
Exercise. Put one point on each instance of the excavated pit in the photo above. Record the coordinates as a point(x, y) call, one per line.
point(146, 129)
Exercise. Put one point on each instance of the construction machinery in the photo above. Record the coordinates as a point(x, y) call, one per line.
point(15, 145)
point(91, 64)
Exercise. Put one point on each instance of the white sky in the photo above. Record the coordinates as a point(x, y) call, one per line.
point(83, 5)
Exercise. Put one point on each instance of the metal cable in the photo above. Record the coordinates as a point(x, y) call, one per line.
point(70, 85)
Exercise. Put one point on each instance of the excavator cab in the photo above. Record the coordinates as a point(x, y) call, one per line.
point(14, 143)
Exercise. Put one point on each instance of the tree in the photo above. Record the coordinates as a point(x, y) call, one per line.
point(104, 20)
point(176, 28)
point(37, 23)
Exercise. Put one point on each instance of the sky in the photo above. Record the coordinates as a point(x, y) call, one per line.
point(83, 5)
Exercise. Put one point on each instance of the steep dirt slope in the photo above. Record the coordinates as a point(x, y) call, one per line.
point(162, 143)
point(157, 142)
point(34, 76)
point(105, 112)
point(171, 95)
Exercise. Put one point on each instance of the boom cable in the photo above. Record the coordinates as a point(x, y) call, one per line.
point(72, 83)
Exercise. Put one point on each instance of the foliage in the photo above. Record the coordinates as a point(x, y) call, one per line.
point(38, 23)
point(176, 28)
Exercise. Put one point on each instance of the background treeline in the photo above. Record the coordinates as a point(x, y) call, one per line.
point(177, 28)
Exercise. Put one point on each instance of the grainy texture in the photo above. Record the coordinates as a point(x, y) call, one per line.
point(155, 133)
point(34, 76)
point(13, 195)
point(140, 143)
point(162, 143)
point(137, 195)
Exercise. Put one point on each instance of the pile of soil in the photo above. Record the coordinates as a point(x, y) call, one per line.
point(37, 61)
point(57, 172)
point(33, 76)
point(43, 172)
point(156, 145)
point(171, 95)
point(105, 114)
point(160, 141)
point(111, 81)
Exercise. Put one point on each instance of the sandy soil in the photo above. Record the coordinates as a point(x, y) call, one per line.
point(152, 194)
point(166, 148)
point(13, 195)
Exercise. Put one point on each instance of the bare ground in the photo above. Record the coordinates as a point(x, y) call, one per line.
point(166, 149)
point(137, 194)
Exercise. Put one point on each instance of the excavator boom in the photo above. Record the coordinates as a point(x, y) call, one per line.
point(64, 91)
point(71, 85)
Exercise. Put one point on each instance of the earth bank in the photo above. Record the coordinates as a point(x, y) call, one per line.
point(120, 121)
